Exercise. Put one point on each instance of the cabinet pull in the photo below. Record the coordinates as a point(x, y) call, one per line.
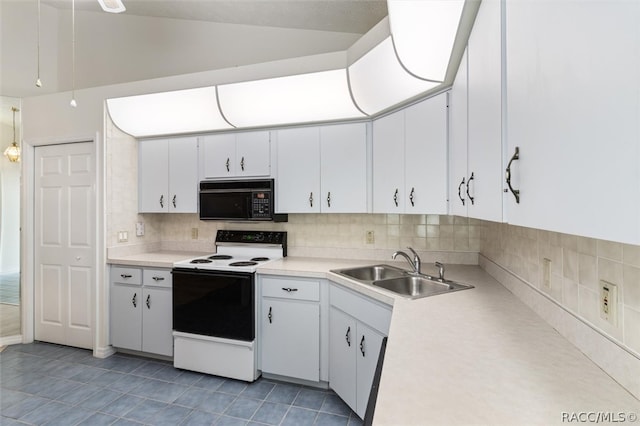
point(162, 201)
point(242, 164)
point(460, 191)
point(270, 316)
point(148, 301)
point(174, 201)
point(329, 199)
point(158, 279)
point(468, 185)
point(411, 197)
point(311, 199)
point(347, 336)
point(515, 192)
point(362, 345)
point(227, 164)
point(289, 289)
point(125, 276)
point(395, 197)
point(133, 301)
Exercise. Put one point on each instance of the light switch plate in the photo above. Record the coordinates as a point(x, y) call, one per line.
point(140, 229)
point(123, 236)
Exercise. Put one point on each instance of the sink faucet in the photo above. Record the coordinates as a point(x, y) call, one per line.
point(440, 267)
point(415, 263)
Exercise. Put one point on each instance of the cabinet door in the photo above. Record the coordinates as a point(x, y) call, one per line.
point(388, 164)
point(426, 156)
point(578, 137)
point(253, 154)
point(343, 172)
point(157, 321)
point(153, 176)
point(218, 156)
point(298, 183)
point(342, 356)
point(291, 338)
point(458, 142)
point(485, 169)
point(183, 175)
point(369, 342)
point(126, 316)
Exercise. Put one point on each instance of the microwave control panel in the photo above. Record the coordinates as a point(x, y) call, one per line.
point(261, 205)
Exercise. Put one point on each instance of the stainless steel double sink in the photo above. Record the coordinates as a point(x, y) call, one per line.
point(400, 281)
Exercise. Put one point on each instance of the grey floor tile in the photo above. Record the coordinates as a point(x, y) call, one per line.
point(88, 375)
point(145, 411)
point(160, 391)
point(166, 373)
point(24, 407)
point(209, 382)
point(234, 387)
point(147, 369)
point(99, 399)
point(284, 393)
point(44, 413)
point(200, 418)
point(57, 388)
point(78, 394)
point(258, 390)
point(123, 364)
point(334, 405)
point(231, 421)
point(99, 419)
point(326, 419)
point(122, 405)
point(308, 398)
point(216, 402)
point(127, 383)
point(171, 416)
point(108, 378)
point(188, 378)
point(243, 408)
point(192, 397)
point(9, 397)
point(125, 422)
point(6, 421)
point(270, 413)
point(70, 417)
point(354, 420)
point(299, 417)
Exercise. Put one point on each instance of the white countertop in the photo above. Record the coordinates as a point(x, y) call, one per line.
point(158, 259)
point(477, 356)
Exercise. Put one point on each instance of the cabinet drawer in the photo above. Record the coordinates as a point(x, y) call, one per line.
point(157, 278)
point(291, 288)
point(369, 311)
point(120, 274)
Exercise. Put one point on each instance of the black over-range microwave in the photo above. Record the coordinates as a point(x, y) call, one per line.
point(237, 200)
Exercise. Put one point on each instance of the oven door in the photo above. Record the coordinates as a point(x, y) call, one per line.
point(214, 303)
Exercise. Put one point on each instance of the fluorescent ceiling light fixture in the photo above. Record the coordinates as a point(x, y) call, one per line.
point(378, 80)
point(182, 111)
point(112, 6)
point(304, 98)
point(423, 32)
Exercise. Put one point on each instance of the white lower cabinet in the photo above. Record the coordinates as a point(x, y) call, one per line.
point(141, 310)
point(290, 312)
point(357, 326)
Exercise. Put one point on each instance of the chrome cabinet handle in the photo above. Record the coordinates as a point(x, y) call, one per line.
point(242, 164)
point(515, 192)
point(329, 199)
point(289, 289)
point(125, 276)
point(411, 197)
point(362, 345)
point(133, 301)
point(227, 164)
point(395, 197)
point(468, 185)
point(156, 279)
point(162, 201)
point(311, 199)
point(460, 191)
point(270, 316)
point(347, 336)
point(174, 201)
point(148, 301)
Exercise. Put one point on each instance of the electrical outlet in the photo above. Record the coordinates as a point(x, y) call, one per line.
point(194, 233)
point(546, 273)
point(140, 229)
point(123, 236)
point(609, 302)
point(370, 237)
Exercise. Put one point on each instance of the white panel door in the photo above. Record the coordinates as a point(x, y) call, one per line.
point(218, 153)
point(157, 321)
point(126, 316)
point(343, 168)
point(253, 154)
point(65, 244)
point(342, 356)
point(153, 176)
point(458, 142)
point(426, 156)
point(388, 164)
point(369, 342)
point(298, 182)
point(183, 175)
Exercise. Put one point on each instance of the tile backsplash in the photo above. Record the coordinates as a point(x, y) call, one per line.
point(576, 266)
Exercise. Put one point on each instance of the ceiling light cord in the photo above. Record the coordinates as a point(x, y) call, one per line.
point(38, 81)
point(73, 102)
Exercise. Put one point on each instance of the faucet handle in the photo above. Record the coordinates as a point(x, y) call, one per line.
point(415, 255)
point(440, 267)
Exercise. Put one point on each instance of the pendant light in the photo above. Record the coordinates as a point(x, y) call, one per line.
point(73, 102)
point(38, 82)
point(13, 151)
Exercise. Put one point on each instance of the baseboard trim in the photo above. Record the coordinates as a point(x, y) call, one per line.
point(10, 340)
point(103, 352)
point(618, 361)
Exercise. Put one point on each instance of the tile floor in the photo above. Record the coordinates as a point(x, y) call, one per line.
point(46, 384)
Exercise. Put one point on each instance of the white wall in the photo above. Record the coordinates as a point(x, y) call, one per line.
point(9, 191)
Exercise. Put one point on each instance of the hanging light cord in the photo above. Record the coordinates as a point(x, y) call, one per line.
point(14, 109)
point(73, 53)
point(38, 82)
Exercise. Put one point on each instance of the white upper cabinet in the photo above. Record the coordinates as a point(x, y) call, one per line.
point(410, 159)
point(322, 169)
point(168, 175)
point(232, 155)
point(458, 142)
point(573, 112)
